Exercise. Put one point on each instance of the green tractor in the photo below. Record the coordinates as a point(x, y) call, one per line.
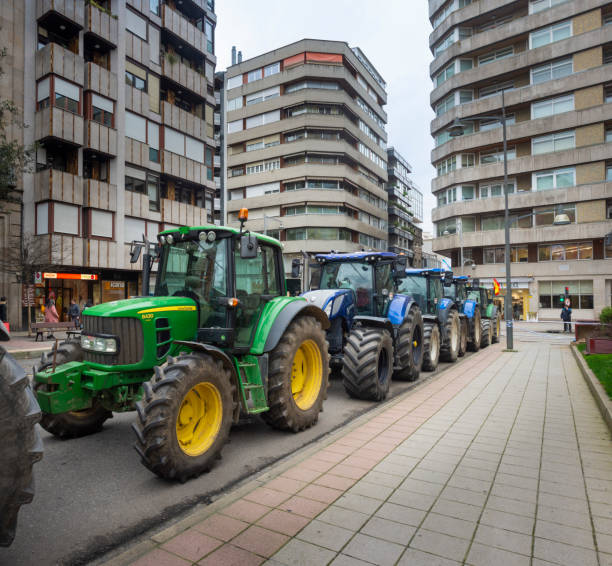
point(491, 317)
point(218, 338)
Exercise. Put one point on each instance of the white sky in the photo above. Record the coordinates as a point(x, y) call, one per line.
point(393, 34)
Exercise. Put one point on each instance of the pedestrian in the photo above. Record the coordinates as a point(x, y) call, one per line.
point(74, 313)
point(3, 313)
point(566, 317)
point(51, 315)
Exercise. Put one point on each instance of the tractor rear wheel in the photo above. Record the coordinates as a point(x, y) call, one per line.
point(184, 416)
point(496, 328)
point(72, 424)
point(410, 346)
point(20, 446)
point(487, 332)
point(368, 363)
point(431, 346)
point(464, 336)
point(476, 334)
point(449, 350)
point(298, 377)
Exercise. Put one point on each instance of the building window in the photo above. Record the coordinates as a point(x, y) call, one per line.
point(550, 34)
point(467, 160)
point(552, 106)
point(153, 185)
point(262, 119)
point(552, 294)
point(539, 5)
point(608, 171)
point(135, 185)
point(254, 75)
point(233, 82)
point(154, 6)
point(100, 224)
point(491, 90)
point(262, 95)
point(270, 165)
point(445, 105)
point(468, 192)
point(58, 218)
point(445, 74)
point(446, 227)
point(553, 142)
point(136, 25)
point(209, 32)
point(102, 110)
point(550, 71)
point(234, 103)
point(67, 95)
point(272, 69)
point(135, 127)
point(565, 252)
point(518, 254)
point(318, 234)
point(447, 166)
point(496, 155)
point(495, 55)
point(545, 216)
point(153, 141)
point(264, 189)
point(554, 179)
point(235, 126)
point(135, 76)
point(43, 93)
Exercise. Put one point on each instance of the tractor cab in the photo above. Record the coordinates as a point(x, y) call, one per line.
point(425, 286)
point(457, 289)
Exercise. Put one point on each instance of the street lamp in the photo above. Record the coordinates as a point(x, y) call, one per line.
point(457, 129)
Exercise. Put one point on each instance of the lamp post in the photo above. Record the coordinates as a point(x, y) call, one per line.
point(456, 130)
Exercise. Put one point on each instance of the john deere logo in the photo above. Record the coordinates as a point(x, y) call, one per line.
point(148, 316)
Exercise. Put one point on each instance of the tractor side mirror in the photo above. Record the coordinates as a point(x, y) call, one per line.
point(135, 252)
point(475, 282)
point(296, 268)
point(248, 246)
point(401, 263)
point(448, 279)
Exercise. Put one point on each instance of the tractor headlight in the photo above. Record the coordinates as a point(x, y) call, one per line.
point(99, 344)
point(170, 239)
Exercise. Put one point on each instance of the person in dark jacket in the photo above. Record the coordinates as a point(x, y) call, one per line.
point(3, 313)
point(74, 313)
point(566, 317)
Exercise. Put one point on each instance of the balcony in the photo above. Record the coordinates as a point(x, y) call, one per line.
point(395, 211)
point(401, 232)
point(174, 212)
point(184, 121)
point(101, 138)
point(57, 123)
point(180, 26)
point(72, 10)
point(101, 24)
point(98, 194)
point(137, 49)
point(184, 168)
point(53, 58)
point(136, 100)
point(184, 76)
point(100, 80)
point(52, 184)
point(136, 152)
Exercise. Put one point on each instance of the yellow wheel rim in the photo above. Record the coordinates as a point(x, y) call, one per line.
point(199, 419)
point(306, 374)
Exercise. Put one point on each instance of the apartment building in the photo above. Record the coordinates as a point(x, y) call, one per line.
point(552, 61)
point(306, 147)
point(119, 96)
point(405, 209)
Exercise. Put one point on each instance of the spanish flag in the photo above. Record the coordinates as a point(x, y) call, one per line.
point(496, 287)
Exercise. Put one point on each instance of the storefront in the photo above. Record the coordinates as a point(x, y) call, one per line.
point(521, 295)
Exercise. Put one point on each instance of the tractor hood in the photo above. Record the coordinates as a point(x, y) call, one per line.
point(334, 302)
point(142, 305)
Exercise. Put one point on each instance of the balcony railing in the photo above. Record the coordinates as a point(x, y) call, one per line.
point(98, 194)
point(182, 120)
point(100, 80)
point(53, 58)
point(102, 24)
point(101, 138)
point(73, 10)
point(57, 123)
point(52, 184)
point(181, 27)
point(184, 76)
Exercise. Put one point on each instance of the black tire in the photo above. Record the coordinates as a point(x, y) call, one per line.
point(487, 332)
point(464, 336)
point(409, 355)
point(73, 424)
point(449, 349)
point(496, 328)
point(165, 397)
point(431, 346)
point(475, 336)
point(285, 411)
point(368, 363)
point(20, 444)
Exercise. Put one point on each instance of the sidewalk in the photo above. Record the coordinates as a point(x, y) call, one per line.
point(503, 459)
point(23, 346)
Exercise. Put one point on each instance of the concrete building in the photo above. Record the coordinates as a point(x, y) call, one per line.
point(119, 96)
point(552, 59)
point(306, 147)
point(405, 209)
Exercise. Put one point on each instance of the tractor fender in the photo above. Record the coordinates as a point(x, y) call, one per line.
point(336, 303)
point(286, 316)
point(429, 318)
point(225, 359)
point(400, 305)
point(377, 322)
point(468, 308)
point(491, 311)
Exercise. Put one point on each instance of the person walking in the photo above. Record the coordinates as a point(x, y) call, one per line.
point(566, 317)
point(3, 311)
point(51, 315)
point(74, 313)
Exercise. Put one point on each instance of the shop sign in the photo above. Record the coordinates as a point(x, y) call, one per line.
point(77, 276)
point(38, 277)
point(108, 285)
point(28, 295)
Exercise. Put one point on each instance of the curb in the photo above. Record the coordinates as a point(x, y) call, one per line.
point(127, 553)
point(604, 404)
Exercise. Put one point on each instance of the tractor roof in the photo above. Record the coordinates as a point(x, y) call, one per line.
point(195, 230)
point(356, 256)
point(425, 271)
point(461, 278)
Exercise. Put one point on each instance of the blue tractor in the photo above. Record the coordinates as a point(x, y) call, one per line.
point(457, 291)
point(374, 333)
point(444, 329)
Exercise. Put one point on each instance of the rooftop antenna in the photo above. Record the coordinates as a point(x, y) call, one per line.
point(233, 54)
point(239, 56)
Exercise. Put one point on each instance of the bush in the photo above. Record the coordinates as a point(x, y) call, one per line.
point(605, 316)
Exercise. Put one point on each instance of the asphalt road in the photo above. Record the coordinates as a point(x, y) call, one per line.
point(93, 494)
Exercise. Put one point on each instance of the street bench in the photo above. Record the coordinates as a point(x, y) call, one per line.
point(41, 327)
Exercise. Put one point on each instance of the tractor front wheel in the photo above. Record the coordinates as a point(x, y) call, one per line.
point(20, 446)
point(298, 377)
point(487, 332)
point(496, 328)
point(464, 336)
point(72, 424)
point(449, 351)
point(368, 363)
point(476, 335)
point(410, 346)
point(431, 346)
point(184, 416)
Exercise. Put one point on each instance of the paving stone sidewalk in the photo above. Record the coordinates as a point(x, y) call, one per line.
point(502, 460)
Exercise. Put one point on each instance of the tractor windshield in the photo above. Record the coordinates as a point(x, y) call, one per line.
point(474, 296)
point(450, 290)
point(353, 275)
point(197, 270)
point(414, 286)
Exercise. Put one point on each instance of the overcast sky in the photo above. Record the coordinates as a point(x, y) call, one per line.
point(393, 34)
